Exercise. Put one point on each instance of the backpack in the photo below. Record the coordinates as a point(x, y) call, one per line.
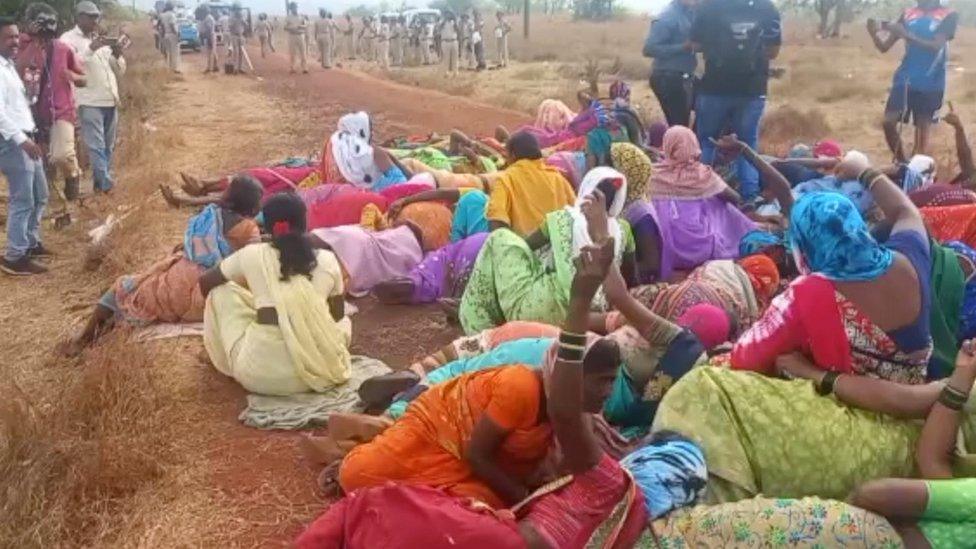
point(738, 44)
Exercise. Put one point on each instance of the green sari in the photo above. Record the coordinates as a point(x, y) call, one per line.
point(511, 282)
point(948, 286)
point(780, 439)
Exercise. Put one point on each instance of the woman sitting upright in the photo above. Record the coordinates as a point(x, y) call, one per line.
point(863, 307)
point(274, 318)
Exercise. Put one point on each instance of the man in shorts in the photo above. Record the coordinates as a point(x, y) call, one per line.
point(918, 88)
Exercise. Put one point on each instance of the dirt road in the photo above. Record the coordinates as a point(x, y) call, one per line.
point(227, 485)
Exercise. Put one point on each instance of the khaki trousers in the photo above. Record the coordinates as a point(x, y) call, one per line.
point(425, 51)
point(297, 51)
point(61, 149)
point(325, 52)
point(502, 52)
point(451, 56)
point(173, 51)
point(384, 53)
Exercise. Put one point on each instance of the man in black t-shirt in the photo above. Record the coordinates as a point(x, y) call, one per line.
point(737, 38)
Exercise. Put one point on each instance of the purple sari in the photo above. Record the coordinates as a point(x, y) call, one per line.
point(691, 231)
point(445, 271)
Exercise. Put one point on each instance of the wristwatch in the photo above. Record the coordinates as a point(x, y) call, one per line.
point(826, 385)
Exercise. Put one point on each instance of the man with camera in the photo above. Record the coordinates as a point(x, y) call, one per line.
point(51, 71)
point(98, 102)
point(21, 163)
point(918, 88)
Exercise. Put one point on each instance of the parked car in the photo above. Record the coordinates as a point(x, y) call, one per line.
point(424, 15)
point(189, 34)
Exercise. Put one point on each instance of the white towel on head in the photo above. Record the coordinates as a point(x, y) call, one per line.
point(581, 232)
point(354, 158)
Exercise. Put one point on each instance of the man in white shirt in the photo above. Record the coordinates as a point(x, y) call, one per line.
point(20, 163)
point(98, 101)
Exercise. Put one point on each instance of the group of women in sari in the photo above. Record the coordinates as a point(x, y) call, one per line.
point(643, 354)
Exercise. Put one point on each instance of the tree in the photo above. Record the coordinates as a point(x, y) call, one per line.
point(595, 10)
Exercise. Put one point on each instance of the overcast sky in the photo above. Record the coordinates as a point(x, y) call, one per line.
point(337, 6)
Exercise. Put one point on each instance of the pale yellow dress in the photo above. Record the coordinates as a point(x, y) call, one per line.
point(306, 351)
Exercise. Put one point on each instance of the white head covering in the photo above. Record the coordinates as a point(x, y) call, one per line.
point(352, 151)
point(924, 166)
point(581, 233)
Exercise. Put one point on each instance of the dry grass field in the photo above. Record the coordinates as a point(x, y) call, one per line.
point(831, 88)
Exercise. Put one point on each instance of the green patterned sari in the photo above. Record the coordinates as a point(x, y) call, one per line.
point(780, 439)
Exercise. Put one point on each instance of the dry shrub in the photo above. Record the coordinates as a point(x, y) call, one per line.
point(786, 125)
point(70, 465)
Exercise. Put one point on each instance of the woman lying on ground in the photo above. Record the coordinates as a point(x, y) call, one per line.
point(863, 307)
point(743, 289)
point(370, 257)
point(746, 424)
point(939, 511)
point(274, 179)
point(690, 215)
point(274, 318)
point(475, 456)
point(592, 115)
point(469, 209)
point(442, 274)
point(350, 157)
point(510, 281)
point(168, 290)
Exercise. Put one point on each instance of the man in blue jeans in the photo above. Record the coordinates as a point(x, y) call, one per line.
point(737, 38)
point(98, 100)
point(20, 163)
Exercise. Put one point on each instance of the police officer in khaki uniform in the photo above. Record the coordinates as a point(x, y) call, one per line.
point(297, 28)
point(323, 38)
point(449, 43)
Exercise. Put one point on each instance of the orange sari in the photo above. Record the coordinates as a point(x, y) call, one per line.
point(434, 220)
point(426, 446)
point(952, 223)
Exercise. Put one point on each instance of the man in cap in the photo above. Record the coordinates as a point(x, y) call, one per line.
point(98, 101)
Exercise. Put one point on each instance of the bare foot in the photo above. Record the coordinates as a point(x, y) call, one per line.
point(192, 185)
point(450, 308)
point(70, 348)
point(501, 134)
point(169, 196)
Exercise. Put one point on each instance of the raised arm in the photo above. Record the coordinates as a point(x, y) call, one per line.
point(895, 204)
point(937, 443)
point(967, 168)
point(581, 451)
point(771, 177)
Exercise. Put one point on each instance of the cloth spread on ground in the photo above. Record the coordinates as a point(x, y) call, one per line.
point(305, 410)
point(169, 330)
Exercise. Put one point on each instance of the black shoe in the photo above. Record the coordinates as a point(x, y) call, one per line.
point(24, 266)
point(39, 251)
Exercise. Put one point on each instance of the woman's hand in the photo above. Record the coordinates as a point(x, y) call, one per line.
point(592, 266)
point(798, 366)
point(395, 207)
point(951, 118)
point(594, 209)
point(730, 143)
point(966, 360)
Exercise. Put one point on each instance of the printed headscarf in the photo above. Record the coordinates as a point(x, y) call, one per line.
point(671, 473)
point(633, 163)
point(831, 239)
point(681, 175)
